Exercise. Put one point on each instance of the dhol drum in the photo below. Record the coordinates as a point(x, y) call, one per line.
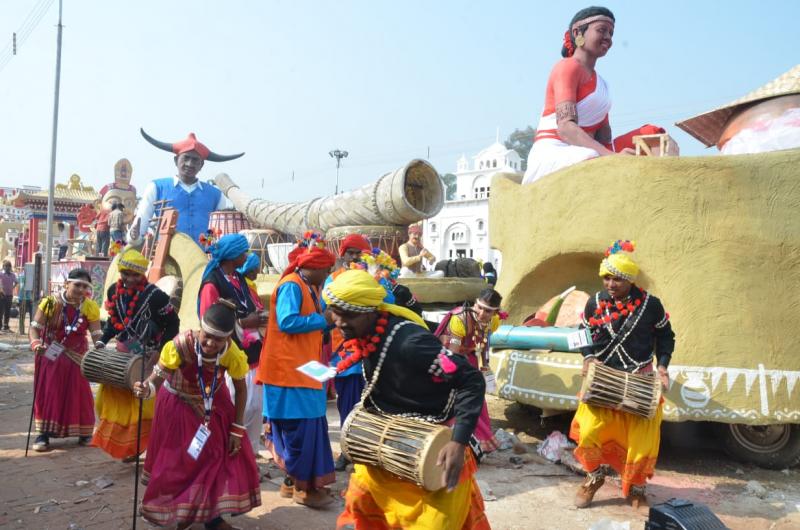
point(279, 255)
point(260, 239)
point(228, 222)
point(387, 238)
point(404, 447)
point(607, 387)
point(111, 367)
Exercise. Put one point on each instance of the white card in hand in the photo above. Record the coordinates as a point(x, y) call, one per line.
point(317, 370)
point(199, 441)
point(579, 339)
point(54, 351)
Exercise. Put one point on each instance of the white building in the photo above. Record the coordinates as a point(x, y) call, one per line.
point(461, 229)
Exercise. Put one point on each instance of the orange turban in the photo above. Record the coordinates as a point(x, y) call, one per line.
point(354, 241)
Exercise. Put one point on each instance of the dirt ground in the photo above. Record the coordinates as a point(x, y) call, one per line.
point(74, 487)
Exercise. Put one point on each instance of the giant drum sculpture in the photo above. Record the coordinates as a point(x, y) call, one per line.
point(260, 239)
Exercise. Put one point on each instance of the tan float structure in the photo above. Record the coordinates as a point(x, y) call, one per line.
point(718, 241)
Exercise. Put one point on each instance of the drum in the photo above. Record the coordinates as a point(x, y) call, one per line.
point(607, 387)
point(259, 239)
point(228, 222)
point(404, 447)
point(387, 238)
point(279, 255)
point(111, 367)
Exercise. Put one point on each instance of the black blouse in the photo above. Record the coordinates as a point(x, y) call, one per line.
point(629, 342)
point(154, 320)
point(420, 378)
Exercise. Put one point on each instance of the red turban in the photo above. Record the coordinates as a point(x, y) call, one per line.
point(354, 241)
point(415, 229)
point(314, 258)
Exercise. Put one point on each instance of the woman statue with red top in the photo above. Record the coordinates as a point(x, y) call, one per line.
point(574, 125)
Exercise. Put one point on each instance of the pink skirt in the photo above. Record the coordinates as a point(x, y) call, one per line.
point(64, 404)
point(483, 431)
point(183, 490)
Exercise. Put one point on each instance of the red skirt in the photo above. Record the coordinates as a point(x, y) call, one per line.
point(64, 405)
point(183, 490)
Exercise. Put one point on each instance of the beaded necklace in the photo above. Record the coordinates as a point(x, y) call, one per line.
point(116, 306)
point(76, 322)
point(361, 348)
point(377, 372)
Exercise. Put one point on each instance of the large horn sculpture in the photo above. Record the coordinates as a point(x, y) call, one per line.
point(401, 197)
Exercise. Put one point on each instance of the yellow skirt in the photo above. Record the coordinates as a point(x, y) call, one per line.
point(118, 411)
point(378, 500)
point(626, 442)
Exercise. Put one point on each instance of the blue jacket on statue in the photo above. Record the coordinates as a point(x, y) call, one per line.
point(194, 209)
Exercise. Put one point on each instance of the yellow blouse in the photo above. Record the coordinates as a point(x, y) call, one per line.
point(234, 359)
point(457, 328)
point(89, 308)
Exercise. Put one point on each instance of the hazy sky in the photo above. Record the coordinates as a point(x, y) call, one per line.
point(287, 81)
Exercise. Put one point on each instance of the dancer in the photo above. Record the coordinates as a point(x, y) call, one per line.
point(409, 374)
point(629, 329)
point(142, 319)
point(574, 125)
point(197, 467)
point(466, 330)
point(295, 403)
point(59, 338)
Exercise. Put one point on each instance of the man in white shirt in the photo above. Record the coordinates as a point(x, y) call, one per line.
point(60, 239)
point(193, 199)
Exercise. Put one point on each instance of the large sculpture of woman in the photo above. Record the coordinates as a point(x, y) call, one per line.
point(574, 124)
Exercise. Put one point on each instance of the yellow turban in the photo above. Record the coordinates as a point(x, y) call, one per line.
point(619, 264)
point(132, 260)
point(358, 291)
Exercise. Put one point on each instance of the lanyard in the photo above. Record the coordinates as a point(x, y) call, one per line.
point(72, 326)
point(311, 290)
point(206, 392)
point(241, 296)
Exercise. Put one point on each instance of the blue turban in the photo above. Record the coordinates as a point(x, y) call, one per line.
point(253, 262)
point(228, 247)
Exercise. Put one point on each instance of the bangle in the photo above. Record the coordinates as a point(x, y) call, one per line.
point(35, 344)
point(236, 434)
point(237, 425)
point(36, 325)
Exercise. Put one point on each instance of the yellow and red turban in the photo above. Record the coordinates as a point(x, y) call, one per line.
point(354, 241)
point(132, 261)
point(359, 292)
point(618, 261)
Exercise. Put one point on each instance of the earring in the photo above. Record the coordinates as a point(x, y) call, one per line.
point(580, 41)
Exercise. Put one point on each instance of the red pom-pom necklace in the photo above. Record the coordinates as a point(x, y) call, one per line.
point(111, 305)
point(359, 349)
point(608, 311)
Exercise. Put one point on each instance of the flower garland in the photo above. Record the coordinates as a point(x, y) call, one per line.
point(112, 303)
point(609, 310)
point(209, 238)
point(380, 265)
point(115, 248)
point(361, 348)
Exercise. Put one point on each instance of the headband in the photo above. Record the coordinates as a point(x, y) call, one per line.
point(591, 19)
point(213, 331)
point(77, 280)
point(486, 306)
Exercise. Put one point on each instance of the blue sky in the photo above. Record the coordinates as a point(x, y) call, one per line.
point(287, 81)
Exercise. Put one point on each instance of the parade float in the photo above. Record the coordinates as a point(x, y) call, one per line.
point(718, 242)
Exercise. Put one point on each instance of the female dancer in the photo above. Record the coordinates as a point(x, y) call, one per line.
point(197, 467)
point(63, 406)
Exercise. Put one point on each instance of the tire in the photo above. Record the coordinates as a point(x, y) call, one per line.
point(768, 446)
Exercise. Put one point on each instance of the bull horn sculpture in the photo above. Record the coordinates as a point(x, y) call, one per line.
point(401, 197)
